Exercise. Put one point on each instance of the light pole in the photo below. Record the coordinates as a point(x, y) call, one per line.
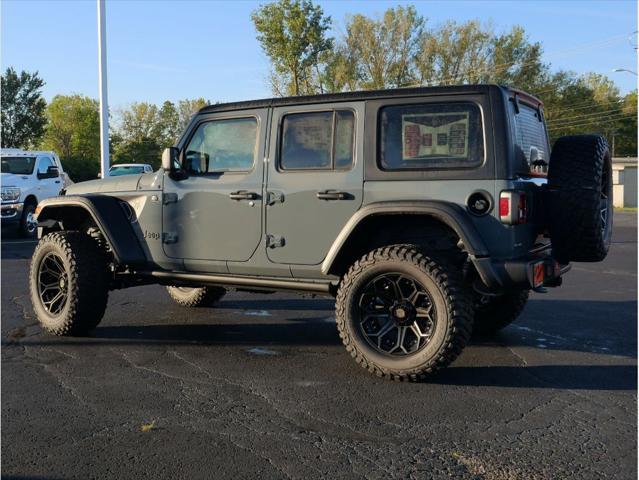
point(104, 104)
point(624, 70)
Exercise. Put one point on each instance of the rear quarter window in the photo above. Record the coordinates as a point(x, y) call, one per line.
point(532, 151)
point(431, 136)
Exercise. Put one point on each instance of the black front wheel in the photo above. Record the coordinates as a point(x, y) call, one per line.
point(402, 314)
point(69, 284)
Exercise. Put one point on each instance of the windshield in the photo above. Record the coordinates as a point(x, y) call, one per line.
point(125, 170)
point(18, 165)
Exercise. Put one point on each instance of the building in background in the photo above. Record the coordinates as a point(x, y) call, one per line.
point(624, 180)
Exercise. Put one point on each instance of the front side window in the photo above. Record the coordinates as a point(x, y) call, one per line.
point(45, 163)
point(431, 136)
point(225, 145)
point(18, 165)
point(317, 140)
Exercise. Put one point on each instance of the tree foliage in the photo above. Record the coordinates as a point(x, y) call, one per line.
point(138, 135)
point(143, 129)
point(384, 50)
point(293, 35)
point(23, 109)
point(73, 132)
point(400, 49)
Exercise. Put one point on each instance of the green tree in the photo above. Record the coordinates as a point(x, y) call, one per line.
point(472, 53)
point(585, 104)
point(293, 35)
point(384, 48)
point(626, 133)
point(338, 70)
point(186, 109)
point(168, 124)
point(143, 129)
point(23, 109)
point(514, 60)
point(73, 131)
point(139, 135)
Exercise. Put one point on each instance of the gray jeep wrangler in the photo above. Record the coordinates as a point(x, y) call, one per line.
point(428, 213)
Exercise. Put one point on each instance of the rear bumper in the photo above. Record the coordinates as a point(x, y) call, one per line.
point(11, 212)
point(534, 271)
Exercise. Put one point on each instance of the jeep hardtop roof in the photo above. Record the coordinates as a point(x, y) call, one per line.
point(367, 95)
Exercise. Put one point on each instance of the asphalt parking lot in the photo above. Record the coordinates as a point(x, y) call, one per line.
point(261, 387)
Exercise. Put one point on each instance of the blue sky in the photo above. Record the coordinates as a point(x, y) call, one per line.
point(160, 50)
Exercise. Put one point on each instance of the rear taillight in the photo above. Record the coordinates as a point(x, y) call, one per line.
point(513, 207)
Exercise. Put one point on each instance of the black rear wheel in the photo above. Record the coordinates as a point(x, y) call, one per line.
point(396, 314)
point(402, 314)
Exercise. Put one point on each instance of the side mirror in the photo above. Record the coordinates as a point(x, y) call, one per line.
point(170, 159)
point(52, 172)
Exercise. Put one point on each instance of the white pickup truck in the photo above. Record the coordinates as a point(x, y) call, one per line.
point(27, 178)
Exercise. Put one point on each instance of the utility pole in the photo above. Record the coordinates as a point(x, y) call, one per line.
point(613, 133)
point(104, 104)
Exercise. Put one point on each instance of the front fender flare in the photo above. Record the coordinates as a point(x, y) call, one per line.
point(109, 217)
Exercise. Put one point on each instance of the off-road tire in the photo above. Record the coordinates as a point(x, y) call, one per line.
point(24, 229)
point(579, 177)
point(196, 297)
point(86, 278)
point(494, 313)
point(451, 300)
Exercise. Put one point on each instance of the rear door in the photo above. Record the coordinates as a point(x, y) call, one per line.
point(315, 179)
point(216, 212)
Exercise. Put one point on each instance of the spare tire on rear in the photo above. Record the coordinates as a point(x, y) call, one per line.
point(580, 198)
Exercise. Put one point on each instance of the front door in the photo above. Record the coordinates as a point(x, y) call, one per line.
point(47, 186)
point(215, 213)
point(315, 179)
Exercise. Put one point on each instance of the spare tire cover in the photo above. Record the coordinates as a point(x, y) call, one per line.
point(580, 198)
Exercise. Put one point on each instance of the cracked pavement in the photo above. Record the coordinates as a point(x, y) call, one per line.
point(261, 387)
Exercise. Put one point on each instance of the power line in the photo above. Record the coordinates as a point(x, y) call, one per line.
point(564, 119)
point(593, 123)
point(583, 105)
point(591, 120)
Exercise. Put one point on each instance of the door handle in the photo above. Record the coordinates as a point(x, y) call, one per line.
point(243, 195)
point(333, 195)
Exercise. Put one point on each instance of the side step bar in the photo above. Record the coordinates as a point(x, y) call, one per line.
point(198, 279)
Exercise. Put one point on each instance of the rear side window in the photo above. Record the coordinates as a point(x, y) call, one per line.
point(532, 152)
point(317, 141)
point(224, 145)
point(431, 136)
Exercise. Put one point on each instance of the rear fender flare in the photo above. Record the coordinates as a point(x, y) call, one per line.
point(448, 213)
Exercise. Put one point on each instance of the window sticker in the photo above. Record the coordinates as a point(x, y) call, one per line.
point(450, 130)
